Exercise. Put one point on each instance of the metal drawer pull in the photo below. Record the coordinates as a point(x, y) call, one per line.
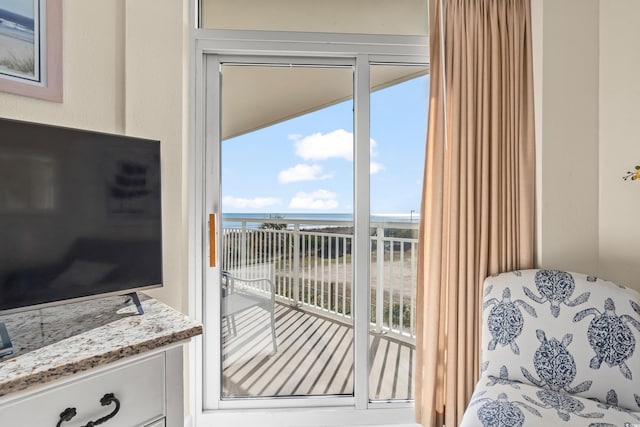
point(106, 400)
point(66, 415)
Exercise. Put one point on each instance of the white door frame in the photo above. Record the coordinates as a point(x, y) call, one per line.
point(209, 49)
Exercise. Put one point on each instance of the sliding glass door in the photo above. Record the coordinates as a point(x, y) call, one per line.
point(313, 174)
point(286, 179)
point(398, 131)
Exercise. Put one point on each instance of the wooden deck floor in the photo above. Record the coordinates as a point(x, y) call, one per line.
point(314, 357)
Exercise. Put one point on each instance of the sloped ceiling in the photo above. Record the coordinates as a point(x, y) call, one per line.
point(254, 97)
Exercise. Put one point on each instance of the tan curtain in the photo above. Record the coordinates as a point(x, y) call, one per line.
point(478, 199)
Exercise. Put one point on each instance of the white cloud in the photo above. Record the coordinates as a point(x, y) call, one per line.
point(242, 203)
point(323, 146)
point(372, 146)
point(375, 167)
point(319, 200)
point(319, 146)
point(302, 172)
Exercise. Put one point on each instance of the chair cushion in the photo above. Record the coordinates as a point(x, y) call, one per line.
point(238, 302)
point(498, 402)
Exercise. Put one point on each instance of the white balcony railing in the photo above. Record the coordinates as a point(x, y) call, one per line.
point(310, 264)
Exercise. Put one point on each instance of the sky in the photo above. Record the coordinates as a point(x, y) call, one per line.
point(21, 7)
point(306, 166)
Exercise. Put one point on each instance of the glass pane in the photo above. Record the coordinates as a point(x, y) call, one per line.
point(398, 135)
point(287, 205)
point(403, 17)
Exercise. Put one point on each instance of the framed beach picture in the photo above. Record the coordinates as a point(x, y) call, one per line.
point(31, 48)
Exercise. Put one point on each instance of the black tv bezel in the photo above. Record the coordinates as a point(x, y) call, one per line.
point(122, 292)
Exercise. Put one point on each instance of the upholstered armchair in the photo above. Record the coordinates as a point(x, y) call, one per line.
point(558, 348)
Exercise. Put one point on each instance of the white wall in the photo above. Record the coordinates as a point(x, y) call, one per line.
point(619, 141)
point(566, 73)
point(587, 128)
point(156, 70)
point(124, 70)
point(408, 17)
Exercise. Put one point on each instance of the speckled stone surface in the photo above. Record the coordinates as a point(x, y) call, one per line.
point(56, 342)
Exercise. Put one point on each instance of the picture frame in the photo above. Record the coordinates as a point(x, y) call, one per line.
point(31, 48)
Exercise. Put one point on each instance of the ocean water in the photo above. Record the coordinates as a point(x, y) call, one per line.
point(232, 219)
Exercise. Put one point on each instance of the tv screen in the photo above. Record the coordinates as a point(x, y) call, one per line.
point(80, 214)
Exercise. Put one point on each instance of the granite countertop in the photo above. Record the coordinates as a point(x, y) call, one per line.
point(56, 342)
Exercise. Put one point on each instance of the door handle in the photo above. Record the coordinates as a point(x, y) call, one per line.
point(212, 240)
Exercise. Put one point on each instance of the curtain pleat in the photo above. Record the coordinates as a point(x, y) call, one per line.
point(478, 194)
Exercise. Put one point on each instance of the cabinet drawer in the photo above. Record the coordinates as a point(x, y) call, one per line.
point(139, 386)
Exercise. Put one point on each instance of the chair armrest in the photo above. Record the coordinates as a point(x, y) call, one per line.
point(231, 282)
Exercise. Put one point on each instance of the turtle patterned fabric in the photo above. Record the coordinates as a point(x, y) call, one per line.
point(572, 338)
point(502, 405)
point(610, 336)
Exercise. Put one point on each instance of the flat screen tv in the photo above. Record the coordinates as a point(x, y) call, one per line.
point(80, 215)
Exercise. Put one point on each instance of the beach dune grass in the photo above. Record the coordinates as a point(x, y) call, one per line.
point(331, 297)
point(24, 64)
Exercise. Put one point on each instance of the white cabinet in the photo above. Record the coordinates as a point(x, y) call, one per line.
point(148, 390)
